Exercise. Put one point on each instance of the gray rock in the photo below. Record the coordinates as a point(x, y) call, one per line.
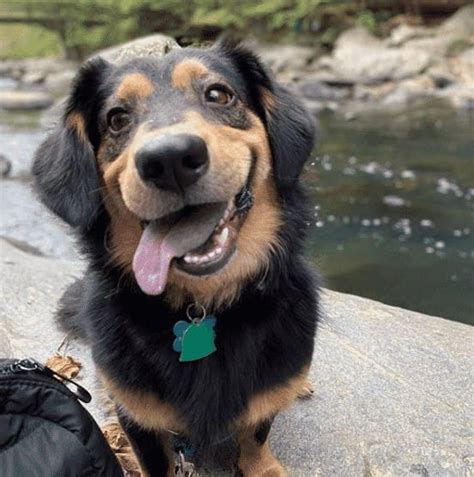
point(19, 100)
point(152, 45)
point(409, 90)
point(361, 58)
point(19, 146)
point(460, 96)
point(59, 83)
point(404, 32)
point(441, 75)
point(27, 223)
point(393, 387)
point(460, 24)
point(287, 61)
point(33, 78)
point(463, 67)
point(5, 166)
point(318, 90)
point(41, 67)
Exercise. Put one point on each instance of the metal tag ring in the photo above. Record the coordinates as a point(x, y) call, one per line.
point(195, 319)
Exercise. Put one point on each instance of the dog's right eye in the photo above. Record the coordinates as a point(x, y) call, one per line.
point(118, 119)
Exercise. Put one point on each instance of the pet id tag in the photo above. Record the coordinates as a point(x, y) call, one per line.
point(195, 339)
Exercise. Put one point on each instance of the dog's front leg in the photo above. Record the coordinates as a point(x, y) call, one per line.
point(256, 458)
point(152, 448)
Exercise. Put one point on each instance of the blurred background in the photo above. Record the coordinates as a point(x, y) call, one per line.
point(391, 84)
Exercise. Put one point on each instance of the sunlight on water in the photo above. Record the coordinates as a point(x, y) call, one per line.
point(393, 209)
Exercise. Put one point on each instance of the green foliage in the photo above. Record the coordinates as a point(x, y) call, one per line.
point(367, 20)
point(86, 25)
point(24, 41)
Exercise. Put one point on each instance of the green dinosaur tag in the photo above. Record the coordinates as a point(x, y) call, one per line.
point(195, 340)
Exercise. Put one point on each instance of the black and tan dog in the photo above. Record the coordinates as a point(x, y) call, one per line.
point(179, 176)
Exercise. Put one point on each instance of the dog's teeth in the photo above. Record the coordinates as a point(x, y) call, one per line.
point(223, 236)
point(187, 258)
point(221, 222)
point(211, 254)
point(194, 259)
point(218, 250)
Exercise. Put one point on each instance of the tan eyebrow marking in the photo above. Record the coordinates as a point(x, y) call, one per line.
point(135, 85)
point(185, 72)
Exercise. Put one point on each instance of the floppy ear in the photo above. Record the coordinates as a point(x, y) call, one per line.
point(290, 128)
point(64, 167)
point(292, 134)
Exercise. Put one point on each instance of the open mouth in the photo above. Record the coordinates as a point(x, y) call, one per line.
point(197, 240)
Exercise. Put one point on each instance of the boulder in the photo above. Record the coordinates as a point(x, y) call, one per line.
point(404, 32)
point(147, 46)
point(361, 58)
point(19, 100)
point(26, 222)
point(286, 61)
point(461, 24)
point(462, 66)
point(392, 387)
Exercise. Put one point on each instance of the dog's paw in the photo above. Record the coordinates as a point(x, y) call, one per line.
point(307, 391)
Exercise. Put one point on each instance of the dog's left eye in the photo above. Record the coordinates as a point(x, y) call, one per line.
point(118, 119)
point(219, 95)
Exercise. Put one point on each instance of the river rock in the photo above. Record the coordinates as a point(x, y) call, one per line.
point(26, 222)
point(460, 24)
point(59, 83)
point(287, 61)
point(19, 100)
point(463, 66)
point(147, 46)
point(392, 387)
point(402, 33)
point(362, 58)
point(39, 67)
point(409, 90)
point(5, 166)
point(460, 96)
point(19, 148)
point(313, 89)
point(441, 75)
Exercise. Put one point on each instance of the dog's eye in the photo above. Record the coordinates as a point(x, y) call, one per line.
point(118, 119)
point(219, 95)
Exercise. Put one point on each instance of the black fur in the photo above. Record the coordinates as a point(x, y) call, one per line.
point(291, 129)
point(65, 168)
point(263, 340)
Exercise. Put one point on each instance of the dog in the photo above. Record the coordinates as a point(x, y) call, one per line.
point(179, 176)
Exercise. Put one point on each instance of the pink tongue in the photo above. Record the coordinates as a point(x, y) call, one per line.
point(161, 242)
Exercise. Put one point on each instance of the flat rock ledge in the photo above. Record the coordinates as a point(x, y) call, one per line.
point(393, 387)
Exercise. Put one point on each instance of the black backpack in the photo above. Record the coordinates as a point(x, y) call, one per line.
point(44, 430)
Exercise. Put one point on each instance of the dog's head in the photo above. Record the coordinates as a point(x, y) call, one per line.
point(190, 154)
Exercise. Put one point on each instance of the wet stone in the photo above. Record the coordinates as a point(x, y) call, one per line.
point(391, 386)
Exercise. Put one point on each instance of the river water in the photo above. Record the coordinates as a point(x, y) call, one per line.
point(392, 196)
point(393, 208)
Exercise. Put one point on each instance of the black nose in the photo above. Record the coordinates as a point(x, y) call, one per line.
point(173, 161)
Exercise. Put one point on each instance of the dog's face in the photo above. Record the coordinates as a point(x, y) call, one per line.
point(190, 154)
